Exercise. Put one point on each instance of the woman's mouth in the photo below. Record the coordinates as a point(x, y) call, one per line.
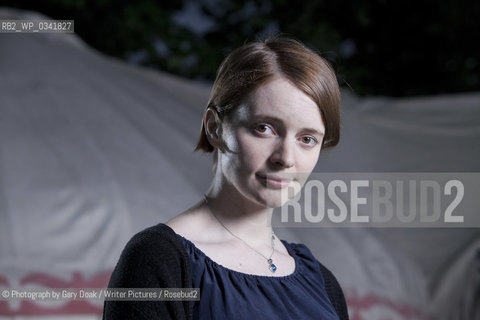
point(273, 181)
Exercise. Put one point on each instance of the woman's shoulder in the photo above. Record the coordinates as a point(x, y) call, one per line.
point(306, 254)
point(159, 238)
point(156, 247)
point(152, 258)
point(151, 255)
point(302, 252)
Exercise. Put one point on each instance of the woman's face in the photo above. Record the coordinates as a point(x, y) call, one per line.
point(272, 141)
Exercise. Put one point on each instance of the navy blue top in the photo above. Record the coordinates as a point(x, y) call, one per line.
point(230, 294)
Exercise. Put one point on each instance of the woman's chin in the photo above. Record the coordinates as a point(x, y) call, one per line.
point(278, 197)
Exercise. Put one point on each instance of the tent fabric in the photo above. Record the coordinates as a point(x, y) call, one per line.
point(93, 150)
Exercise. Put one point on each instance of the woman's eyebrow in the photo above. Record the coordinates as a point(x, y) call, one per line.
point(313, 131)
point(268, 118)
point(274, 119)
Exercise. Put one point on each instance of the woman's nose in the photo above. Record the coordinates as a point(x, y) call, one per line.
point(283, 154)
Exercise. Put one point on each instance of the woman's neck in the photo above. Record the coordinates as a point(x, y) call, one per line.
point(241, 216)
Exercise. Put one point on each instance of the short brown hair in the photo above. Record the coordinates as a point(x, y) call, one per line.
point(253, 64)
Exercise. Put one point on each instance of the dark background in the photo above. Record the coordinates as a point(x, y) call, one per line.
point(379, 47)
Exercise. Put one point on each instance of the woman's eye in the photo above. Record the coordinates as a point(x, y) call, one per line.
point(311, 141)
point(263, 128)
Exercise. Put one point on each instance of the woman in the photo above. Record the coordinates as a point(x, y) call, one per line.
point(274, 105)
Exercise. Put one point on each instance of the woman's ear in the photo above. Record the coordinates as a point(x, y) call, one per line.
point(213, 128)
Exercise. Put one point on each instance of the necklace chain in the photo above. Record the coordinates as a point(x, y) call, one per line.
point(272, 267)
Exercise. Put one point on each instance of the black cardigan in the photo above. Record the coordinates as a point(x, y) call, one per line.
point(156, 258)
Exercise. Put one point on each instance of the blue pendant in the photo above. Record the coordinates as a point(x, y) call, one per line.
point(272, 267)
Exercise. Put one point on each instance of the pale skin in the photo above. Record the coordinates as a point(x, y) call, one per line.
point(270, 142)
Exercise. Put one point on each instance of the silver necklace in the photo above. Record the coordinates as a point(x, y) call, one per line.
point(271, 266)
